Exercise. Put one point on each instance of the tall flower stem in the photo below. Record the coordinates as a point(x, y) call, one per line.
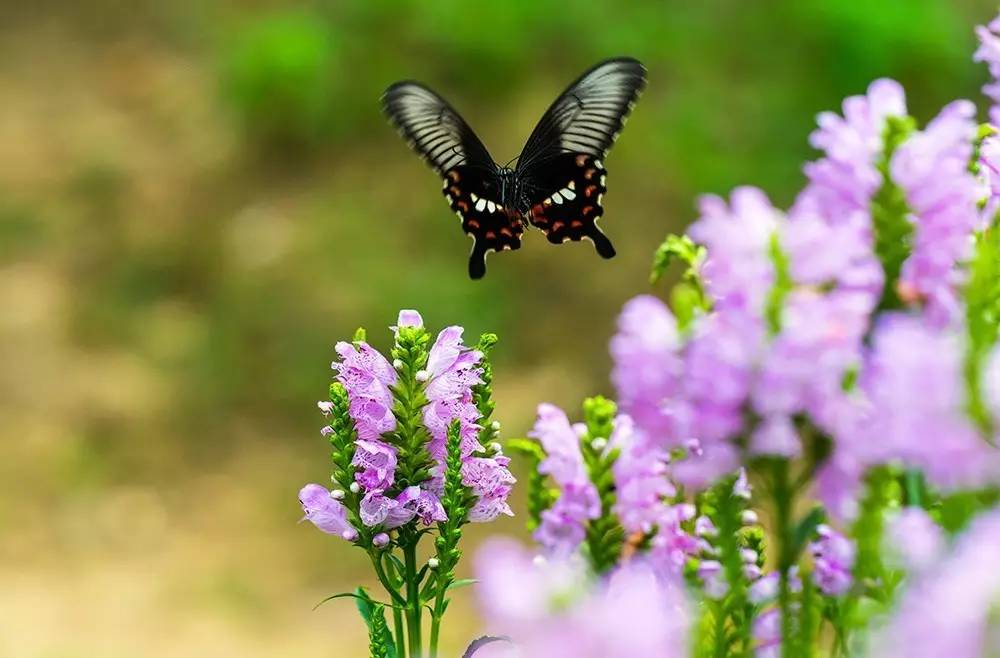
point(413, 609)
point(783, 502)
point(399, 634)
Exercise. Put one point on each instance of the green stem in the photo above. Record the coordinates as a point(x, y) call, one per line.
point(436, 624)
point(384, 579)
point(914, 485)
point(413, 609)
point(783, 495)
point(399, 635)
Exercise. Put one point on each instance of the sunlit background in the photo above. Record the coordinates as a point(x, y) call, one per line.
point(198, 198)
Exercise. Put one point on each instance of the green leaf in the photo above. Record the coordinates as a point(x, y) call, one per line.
point(805, 529)
point(363, 601)
point(526, 447)
point(462, 582)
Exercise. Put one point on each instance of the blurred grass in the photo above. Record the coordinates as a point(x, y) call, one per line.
point(198, 198)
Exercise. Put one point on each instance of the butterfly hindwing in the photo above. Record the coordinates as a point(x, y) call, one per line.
point(574, 187)
point(473, 194)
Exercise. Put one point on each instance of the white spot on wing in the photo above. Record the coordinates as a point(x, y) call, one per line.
point(556, 198)
point(481, 205)
point(569, 194)
point(492, 207)
point(603, 180)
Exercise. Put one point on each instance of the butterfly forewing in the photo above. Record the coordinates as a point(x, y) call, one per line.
point(433, 128)
point(587, 117)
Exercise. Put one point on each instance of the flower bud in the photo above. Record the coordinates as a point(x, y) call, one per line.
point(749, 517)
point(350, 534)
point(600, 443)
point(380, 540)
point(397, 364)
point(748, 555)
point(433, 563)
point(496, 447)
point(422, 375)
point(355, 487)
point(495, 425)
point(337, 494)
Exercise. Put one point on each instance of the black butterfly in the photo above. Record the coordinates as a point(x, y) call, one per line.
point(559, 180)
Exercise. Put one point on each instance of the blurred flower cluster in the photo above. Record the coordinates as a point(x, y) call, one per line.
point(414, 451)
point(803, 457)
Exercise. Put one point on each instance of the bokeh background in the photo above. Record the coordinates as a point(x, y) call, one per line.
point(199, 197)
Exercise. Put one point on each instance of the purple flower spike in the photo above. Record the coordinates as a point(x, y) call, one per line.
point(989, 52)
point(932, 167)
point(648, 366)
point(325, 513)
point(833, 559)
point(947, 611)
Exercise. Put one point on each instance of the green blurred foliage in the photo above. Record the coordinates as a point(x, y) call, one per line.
point(199, 197)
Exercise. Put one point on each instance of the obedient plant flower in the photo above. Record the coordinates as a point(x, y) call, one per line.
point(601, 489)
point(915, 539)
point(557, 608)
point(413, 449)
point(833, 558)
point(849, 343)
point(950, 609)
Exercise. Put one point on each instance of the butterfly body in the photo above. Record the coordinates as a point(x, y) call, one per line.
point(559, 181)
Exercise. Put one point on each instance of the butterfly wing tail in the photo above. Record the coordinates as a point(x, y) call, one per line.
point(477, 261)
point(601, 242)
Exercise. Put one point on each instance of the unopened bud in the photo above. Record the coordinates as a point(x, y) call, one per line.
point(422, 375)
point(380, 540)
point(749, 517)
point(350, 534)
point(337, 494)
point(495, 425)
point(433, 563)
point(600, 443)
point(496, 447)
point(397, 364)
point(355, 487)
